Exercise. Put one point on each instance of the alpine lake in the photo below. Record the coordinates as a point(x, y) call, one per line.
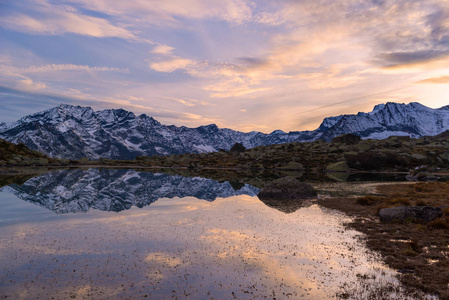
point(100, 233)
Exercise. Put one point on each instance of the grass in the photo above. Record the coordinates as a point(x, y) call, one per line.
point(368, 200)
point(419, 251)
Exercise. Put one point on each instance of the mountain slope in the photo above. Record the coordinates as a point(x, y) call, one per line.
point(70, 191)
point(74, 132)
point(389, 119)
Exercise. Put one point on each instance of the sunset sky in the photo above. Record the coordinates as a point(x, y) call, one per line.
point(244, 65)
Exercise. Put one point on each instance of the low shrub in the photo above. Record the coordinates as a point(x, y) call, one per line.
point(399, 201)
point(421, 203)
point(440, 223)
point(446, 211)
point(367, 200)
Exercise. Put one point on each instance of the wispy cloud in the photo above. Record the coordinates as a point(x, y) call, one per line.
point(171, 65)
point(163, 49)
point(52, 19)
point(170, 13)
point(186, 102)
point(70, 67)
point(65, 22)
point(435, 80)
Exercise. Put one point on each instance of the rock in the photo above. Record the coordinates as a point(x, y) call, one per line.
point(237, 148)
point(344, 148)
point(236, 185)
point(425, 176)
point(340, 166)
point(333, 149)
point(296, 159)
point(292, 166)
point(287, 188)
point(364, 146)
point(338, 176)
point(348, 139)
point(401, 138)
point(410, 177)
point(418, 156)
point(412, 213)
point(445, 156)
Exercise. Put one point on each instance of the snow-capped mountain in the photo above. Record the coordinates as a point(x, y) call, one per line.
point(74, 132)
point(414, 120)
point(78, 190)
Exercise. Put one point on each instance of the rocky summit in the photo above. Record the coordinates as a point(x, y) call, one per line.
point(74, 132)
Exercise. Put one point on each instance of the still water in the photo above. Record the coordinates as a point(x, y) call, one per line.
point(111, 234)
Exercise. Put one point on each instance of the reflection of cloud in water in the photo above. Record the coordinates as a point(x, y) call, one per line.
point(163, 259)
point(116, 190)
point(233, 246)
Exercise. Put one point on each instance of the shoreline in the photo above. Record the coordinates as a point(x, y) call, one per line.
point(418, 252)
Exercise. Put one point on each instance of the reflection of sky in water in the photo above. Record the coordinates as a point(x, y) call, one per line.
point(232, 247)
point(68, 191)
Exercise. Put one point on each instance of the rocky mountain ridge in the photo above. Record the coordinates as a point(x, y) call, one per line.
point(73, 132)
point(70, 191)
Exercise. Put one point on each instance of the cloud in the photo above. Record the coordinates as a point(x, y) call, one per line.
point(162, 49)
point(52, 19)
point(171, 65)
point(229, 89)
point(71, 67)
point(411, 58)
point(435, 80)
point(170, 13)
point(186, 102)
point(28, 84)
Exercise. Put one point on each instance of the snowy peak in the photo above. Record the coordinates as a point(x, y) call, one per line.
point(413, 119)
point(71, 191)
point(148, 120)
point(74, 132)
point(114, 116)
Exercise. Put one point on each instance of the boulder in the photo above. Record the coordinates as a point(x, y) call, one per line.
point(412, 213)
point(419, 156)
point(237, 148)
point(287, 188)
point(340, 166)
point(292, 166)
point(348, 139)
point(426, 176)
point(338, 176)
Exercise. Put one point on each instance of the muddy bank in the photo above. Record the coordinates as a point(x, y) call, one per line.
point(418, 251)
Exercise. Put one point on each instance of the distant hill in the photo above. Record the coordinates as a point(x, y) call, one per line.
point(13, 154)
point(73, 132)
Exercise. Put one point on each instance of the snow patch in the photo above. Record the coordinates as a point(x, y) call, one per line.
point(204, 148)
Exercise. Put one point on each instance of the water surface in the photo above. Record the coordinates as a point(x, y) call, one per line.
point(120, 233)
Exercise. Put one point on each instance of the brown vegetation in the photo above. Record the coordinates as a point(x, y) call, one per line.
point(420, 252)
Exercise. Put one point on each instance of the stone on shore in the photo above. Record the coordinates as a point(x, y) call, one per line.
point(287, 188)
point(409, 213)
point(340, 166)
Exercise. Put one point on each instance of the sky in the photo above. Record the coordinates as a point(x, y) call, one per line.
point(245, 65)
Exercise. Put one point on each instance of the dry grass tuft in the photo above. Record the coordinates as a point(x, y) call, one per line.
point(368, 200)
point(440, 223)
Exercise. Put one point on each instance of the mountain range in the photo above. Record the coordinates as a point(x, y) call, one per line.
point(70, 191)
point(73, 132)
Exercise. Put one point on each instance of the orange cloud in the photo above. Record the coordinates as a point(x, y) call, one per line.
point(171, 65)
point(435, 80)
point(58, 21)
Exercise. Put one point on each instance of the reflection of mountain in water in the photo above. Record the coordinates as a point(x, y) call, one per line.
point(116, 190)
